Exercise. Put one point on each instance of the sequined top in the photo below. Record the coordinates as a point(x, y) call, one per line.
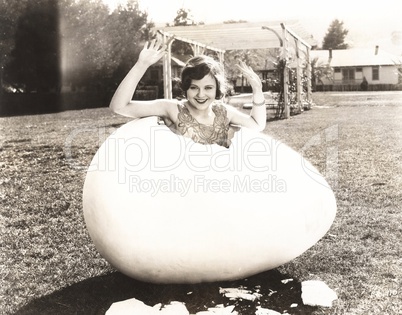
point(220, 132)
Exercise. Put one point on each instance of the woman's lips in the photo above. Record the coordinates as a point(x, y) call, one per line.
point(203, 101)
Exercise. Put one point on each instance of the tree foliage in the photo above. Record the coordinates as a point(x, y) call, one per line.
point(183, 18)
point(84, 40)
point(10, 13)
point(35, 57)
point(320, 71)
point(105, 44)
point(79, 42)
point(335, 36)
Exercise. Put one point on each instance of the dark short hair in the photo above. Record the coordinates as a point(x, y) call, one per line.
point(200, 66)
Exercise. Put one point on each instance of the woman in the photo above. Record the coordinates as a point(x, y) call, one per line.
point(202, 116)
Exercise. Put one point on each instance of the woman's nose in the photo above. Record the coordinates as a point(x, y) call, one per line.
point(200, 92)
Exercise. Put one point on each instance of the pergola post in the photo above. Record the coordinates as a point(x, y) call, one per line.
point(308, 73)
point(167, 69)
point(298, 40)
point(221, 56)
point(286, 110)
point(298, 76)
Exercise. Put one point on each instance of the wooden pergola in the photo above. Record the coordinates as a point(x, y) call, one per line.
point(292, 38)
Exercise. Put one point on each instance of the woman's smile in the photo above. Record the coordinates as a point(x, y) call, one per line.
point(201, 101)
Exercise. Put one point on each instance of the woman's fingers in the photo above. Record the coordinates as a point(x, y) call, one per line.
point(155, 44)
point(241, 68)
point(245, 66)
point(158, 43)
point(152, 44)
point(249, 73)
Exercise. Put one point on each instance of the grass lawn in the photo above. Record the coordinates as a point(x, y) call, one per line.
point(50, 266)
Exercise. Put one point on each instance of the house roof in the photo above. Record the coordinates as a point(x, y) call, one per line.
point(355, 57)
point(236, 36)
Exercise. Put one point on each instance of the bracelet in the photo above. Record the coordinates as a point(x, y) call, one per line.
point(259, 104)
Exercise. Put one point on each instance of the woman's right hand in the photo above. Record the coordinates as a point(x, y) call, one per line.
point(152, 52)
point(250, 75)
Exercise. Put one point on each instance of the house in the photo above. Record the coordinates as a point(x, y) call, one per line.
point(379, 70)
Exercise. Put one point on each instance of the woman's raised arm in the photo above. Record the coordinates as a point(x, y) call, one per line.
point(258, 116)
point(121, 101)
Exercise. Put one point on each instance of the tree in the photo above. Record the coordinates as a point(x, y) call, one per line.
point(320, 71)
point(35, 58)
point(183, 18)
point(101, 46)
point(80, 27)
point(127, 28)
point(78, 40)
point(45, 44)
point(335, 36)
point(10, 12)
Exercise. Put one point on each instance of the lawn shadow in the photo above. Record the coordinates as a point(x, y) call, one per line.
point(95, 295)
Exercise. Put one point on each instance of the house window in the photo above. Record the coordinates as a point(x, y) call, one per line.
point(348, 74)
point(376, 73)
point(359, 74)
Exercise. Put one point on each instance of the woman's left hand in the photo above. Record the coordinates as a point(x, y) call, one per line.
point(250, 75)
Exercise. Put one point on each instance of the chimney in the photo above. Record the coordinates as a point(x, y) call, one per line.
point(376, 50)
point(330, 53)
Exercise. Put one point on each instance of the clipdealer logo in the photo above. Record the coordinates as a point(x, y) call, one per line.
point(203, 184)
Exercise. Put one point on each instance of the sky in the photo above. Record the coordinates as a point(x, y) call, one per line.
point(367, 21)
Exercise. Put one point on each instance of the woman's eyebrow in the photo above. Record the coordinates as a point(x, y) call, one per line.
point(207, 85)
point(195, 85)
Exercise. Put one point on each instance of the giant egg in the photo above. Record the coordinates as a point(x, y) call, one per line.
point(161, 208)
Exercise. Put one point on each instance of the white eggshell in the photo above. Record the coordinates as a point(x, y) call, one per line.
point(161, 208)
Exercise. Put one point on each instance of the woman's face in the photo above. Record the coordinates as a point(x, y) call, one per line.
point(202, 93)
